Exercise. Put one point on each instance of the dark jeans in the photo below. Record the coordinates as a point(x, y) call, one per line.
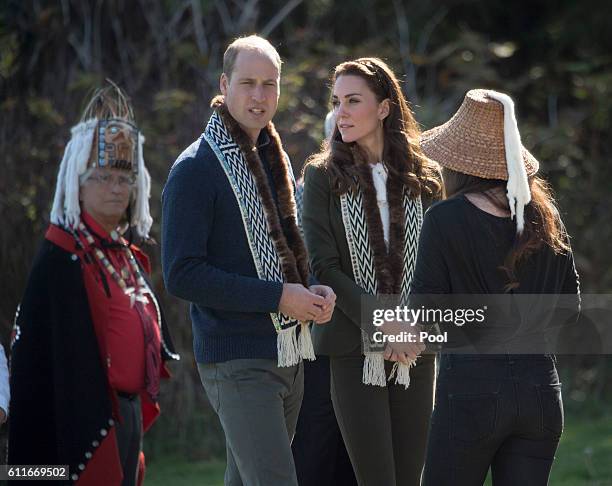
point(384, 427)
point(318, 449)
point(504, 412)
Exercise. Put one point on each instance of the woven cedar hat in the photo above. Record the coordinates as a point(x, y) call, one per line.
point(482, 140)
point(472, 141)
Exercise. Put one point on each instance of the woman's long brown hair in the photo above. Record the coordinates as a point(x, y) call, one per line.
point(402, 153)
point(543, 225)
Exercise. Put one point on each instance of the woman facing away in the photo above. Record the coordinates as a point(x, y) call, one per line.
point(364, 197)
point(499, 236)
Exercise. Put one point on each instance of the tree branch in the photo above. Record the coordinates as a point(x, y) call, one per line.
point(403, 29)
point(279, 17)
point(226, 18)
point(198, 27)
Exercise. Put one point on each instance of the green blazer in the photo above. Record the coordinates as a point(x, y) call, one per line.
point(330, 261)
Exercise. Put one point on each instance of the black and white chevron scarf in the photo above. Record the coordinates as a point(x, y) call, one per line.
point(373, 263)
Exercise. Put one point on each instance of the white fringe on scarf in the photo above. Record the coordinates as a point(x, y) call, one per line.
point(288, 352)
point(305, 343)
point(374, 369)
point(401, 372)
point(291, 349)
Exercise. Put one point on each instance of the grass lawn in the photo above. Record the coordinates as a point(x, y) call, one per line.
point(178, 472)
point(584, 458)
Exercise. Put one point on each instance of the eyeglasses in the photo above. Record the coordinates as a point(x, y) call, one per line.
point(109, 180)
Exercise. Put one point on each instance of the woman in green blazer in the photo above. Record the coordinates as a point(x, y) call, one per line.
point(364, 197)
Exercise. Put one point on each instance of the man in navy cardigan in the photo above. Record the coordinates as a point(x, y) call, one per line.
point(207, 260)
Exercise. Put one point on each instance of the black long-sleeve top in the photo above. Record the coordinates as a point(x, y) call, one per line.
point(461, 251)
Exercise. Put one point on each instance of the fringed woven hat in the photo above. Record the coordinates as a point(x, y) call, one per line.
point(105, 137)
point(482, 140)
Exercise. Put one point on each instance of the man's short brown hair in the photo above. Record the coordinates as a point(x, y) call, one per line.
point(250, 43)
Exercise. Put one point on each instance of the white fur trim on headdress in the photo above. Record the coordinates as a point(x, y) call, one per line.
point(66, 210)
point(141, 217)
point(518, 192)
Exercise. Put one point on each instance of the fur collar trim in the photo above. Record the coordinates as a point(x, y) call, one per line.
point(386, 262)
point(282, 222)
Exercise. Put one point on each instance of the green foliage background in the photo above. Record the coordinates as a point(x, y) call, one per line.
point(553, 57)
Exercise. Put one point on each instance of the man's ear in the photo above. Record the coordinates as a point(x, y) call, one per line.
point(383, 109)
point(223, 83)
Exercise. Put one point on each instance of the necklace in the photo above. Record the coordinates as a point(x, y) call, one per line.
point(142, 283)
point(137, 293)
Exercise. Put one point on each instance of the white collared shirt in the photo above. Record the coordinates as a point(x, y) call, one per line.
point(379, 176)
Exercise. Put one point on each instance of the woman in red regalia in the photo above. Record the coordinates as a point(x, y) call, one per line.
point(90, 339)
